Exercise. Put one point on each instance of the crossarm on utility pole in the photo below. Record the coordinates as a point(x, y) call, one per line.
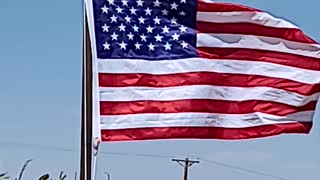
point(187, 163)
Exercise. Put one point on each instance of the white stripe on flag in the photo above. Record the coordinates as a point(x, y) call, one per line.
point(200, 120)
point(260, 18)
point(257, 42)
point(205, 65)
point(205, 92)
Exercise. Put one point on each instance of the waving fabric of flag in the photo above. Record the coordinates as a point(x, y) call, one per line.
point(195, 69)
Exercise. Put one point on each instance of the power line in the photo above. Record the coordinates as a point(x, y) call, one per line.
point(137, 155)
point(153, 156)
point(38, 146)
point(74, 150)
point(244, 169)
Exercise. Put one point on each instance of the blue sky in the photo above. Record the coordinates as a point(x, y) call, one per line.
point(40, 75)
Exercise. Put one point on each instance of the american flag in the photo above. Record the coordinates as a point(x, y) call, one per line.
point(196, 69)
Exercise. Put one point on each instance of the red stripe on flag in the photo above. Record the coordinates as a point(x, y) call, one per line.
point(222, 7)
point(201, 106)
point(260, 55)
point(254, 29)
point(204, 78)
point(204, 132)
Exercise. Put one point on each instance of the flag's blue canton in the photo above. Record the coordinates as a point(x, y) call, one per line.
point(145, 29)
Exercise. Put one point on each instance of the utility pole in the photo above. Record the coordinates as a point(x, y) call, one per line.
point(186, 163)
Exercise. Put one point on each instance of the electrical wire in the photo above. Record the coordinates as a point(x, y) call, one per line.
point(153, 156)
point(138, 155)
point(37, 145)
point(243, 169)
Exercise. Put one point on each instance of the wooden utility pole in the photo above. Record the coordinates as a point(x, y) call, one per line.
point(185, 163)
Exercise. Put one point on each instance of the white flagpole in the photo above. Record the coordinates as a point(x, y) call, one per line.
point(92, 117)
point(96, 144)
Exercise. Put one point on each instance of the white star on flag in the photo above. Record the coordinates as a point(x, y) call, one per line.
point(114, 36)
point(173, 20)
point(128, 19)
point(137, 45)
point(175, 36)
point(167, 46)
point(183, 28)
point(111, 2)
point(182, 13)
point(135, 28)
point(156, 3)
point(148, 11)
point(184, 44)
point(143, 38)
point(157, 20)
point(151, 47)
point(106, 46)
point(141, 20)
point(124, 2)
point(149, 29)
point(104, 9)
point(122, 27)
point(174, 6)
point(165, 29)
point(133, 10)
point(105, 28)
point(158, 38)
point(119, 10)
point(113, 18)
point(165, 12)
point(123, 45)
point(140, 3)
point(130, 36)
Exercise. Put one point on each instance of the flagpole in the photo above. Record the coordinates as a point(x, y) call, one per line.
point(94, 168)
point(86, 112)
